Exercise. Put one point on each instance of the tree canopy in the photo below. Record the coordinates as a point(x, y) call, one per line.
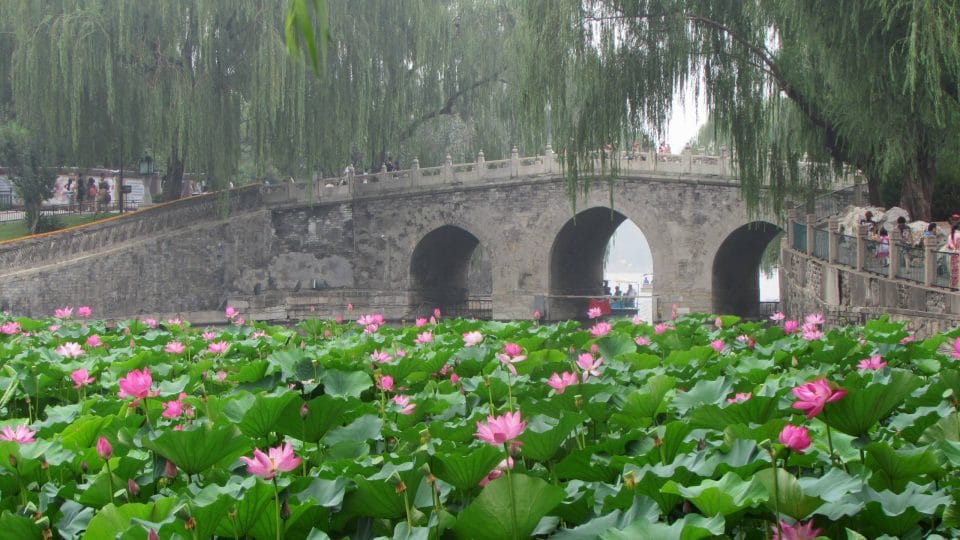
point(868, 83)
point(209, 86)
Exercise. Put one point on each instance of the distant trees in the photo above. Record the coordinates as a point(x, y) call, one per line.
point(869, 83)
point(27, 163)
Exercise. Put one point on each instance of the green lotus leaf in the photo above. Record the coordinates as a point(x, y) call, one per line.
point(641, 406)
point(489, 516)
point(323, 412)
point(692, 357)
point(345, 383)
point(544, 434)
point(893, 469)
point(264, 414)
point(862, 408)
point(691, 527)
point(832, 486)
point(586, 465)
point(83, 432)
point(613, 345)
point(791, 498)
point(18, 527)
point(703, 393)
point(947, 429)
point(253, 371)
point(362, 429)
point(756, 410)
point(325, 492)
point(195, 450)
point(112, 520)
point(723, 497)
point(465, 467)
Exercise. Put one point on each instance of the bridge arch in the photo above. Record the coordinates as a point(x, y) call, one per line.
point(736, 269)
point(450, 269)
point(576, 260)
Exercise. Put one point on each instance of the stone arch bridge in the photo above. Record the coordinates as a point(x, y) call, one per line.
point(499, 237)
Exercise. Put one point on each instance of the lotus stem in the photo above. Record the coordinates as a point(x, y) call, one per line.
point(513, 497)
point(776, 492)
point(110, 479)
point(276, 504)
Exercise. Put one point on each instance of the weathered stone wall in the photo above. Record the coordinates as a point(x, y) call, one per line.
point(844, 296)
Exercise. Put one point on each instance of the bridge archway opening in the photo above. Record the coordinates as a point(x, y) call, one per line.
point(737, 271)
point(594, 252)
point(451, 270)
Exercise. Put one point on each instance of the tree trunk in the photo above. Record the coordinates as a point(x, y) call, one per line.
point(916, 196)
point(173, 179)
point(873, 190)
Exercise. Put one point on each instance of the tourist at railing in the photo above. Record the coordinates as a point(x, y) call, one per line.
point(953, 247)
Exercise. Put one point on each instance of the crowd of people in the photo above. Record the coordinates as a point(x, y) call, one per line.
point(89, 195)
point(903, 235)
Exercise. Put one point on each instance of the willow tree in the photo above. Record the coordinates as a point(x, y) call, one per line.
point(867, 83)
point(398, 77)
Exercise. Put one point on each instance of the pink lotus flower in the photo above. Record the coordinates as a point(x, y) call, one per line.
point(642, 341)
point(636, 320)
point(174, 322)
point(497, 472)
point(63, 313)
point(259, 334)
point(454, 378)
point(472, 338)
point(370, 319)
point(501, 429)
point(174, 347)
point(84, 312)
point(777, 317)
point(132, 487)
point(267, 466)
point(814, 318)
point(956, 348)
point(594, 312)
point(399, 353)
point(600, 329)
point(230, 312)
point(660, 328)
point(433, 320)
point(910, 339)
point(238, 321)
point(811, 332)
point(10, 328)
point(740, 397)
point(80, 378)
point(218, 347)
point(380, 357)
point(797, 531)
point(512, 349)
point(170, 470)
point(403, 404)
point(717, 345)
point(22, 434)
point(386, 383)
point(220, 376)
point(873, 363)
point(420, 322)
point(93, 341)
point(560, 382)
point(338, 319)
point(371, 329)
point(813, 396)
point(589, 365)
point(70, 349)
point(137, 385)
point(436, 313)
point(509, 361)
point(795, 438)
point(790, 326)
point(53, 327)
point(536, 315)
point(104, 450)
point(151, 323)
point(174, 408)
point(718, 322)
point(349, 307)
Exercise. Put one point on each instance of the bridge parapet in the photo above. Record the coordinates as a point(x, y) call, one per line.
point(352, 184)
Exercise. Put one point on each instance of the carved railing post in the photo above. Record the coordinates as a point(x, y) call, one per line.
point(893, 258)
point(929, 265)
point(481, 167)
point(514, 162)
point(791, 232)
point(832, 238)
point(724, 161)
point(811, 235)
point(351, 181)
point(447, 171)
point(687, 158)
point(415, 172)
point(861, 246)
point(549, 159)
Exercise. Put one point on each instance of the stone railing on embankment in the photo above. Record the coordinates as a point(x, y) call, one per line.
point(57, 246)
point(841, 275)
point(685, 166)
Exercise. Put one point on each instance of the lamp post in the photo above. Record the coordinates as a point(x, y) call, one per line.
point(146, 170)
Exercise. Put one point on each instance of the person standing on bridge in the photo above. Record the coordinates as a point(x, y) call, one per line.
point(953, 246)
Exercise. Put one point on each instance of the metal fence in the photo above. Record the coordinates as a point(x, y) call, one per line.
point(911, 263)
point(821, 243)
point(476, 307)
point(6, 200)
point(946, 261)
point(766, 309)
point(833, 203)
point(17, 213)
point(846, 250)
point(800, 237)
point(877, 258)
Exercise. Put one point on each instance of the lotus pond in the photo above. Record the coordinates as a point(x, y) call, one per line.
point(700, 427)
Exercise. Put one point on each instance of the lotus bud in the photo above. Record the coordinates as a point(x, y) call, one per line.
point(191, 523)
point(629, 480)
point(170, 470)
point(285, 511)
point(400, 488)
point(304, 410)
point(83, 466)
point(424, 436)
point(104, 450)
point(152, 535)
point(133, 488)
